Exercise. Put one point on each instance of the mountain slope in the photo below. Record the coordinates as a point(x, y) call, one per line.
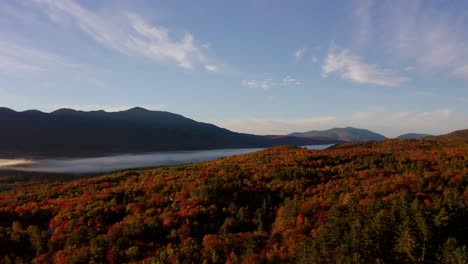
point(348, 134)
point(412, 136)
point(456, 135)
point(67, 132)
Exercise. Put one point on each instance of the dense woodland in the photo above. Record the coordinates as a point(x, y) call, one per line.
point(397, 201)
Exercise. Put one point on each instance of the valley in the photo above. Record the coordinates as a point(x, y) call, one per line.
point(284, 204)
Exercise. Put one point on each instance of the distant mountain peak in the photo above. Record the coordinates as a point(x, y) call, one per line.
point(7, 110)
point(349, 134)
point(412, 136)
point(64, 111)
point(137, 109)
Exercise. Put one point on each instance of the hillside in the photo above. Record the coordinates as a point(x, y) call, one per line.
point(348, 134)
point(397, 201)
point(67, 132)
point(456, 135)
point(412, 136)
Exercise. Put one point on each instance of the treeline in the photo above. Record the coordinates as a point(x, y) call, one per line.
point(397, 201)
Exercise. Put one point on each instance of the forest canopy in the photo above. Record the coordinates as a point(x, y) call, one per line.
point(397, 201)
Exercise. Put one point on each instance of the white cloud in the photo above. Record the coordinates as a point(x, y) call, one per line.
point(128, 33)
point(17, 58)
point(265, 84)
point(107, 108)
point(351, 67)
point(211, 68)
point(299, 53)
point(268, 83)
point(390, 124)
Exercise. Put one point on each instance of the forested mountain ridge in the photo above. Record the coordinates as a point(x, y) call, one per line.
point(396, 201)
point(412, 136)
point(349, 134)
point(68, 132)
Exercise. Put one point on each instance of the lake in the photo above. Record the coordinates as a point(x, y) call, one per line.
point(126, 161)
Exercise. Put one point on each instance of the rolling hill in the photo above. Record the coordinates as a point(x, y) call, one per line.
point(456, 135)
point(396, 201)
point(412, 136)
point(348, 134)
point(68, 132)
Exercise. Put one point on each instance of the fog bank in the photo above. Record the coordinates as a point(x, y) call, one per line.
point(118, 162)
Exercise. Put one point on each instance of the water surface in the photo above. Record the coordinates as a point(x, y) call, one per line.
point(127, 161)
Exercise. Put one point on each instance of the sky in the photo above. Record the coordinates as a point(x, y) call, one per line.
point(254, 66)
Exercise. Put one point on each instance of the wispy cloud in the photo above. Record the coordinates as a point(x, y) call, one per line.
point(268, 83)
point(352, 67)
point(363, 115)
point(434, 37)
point(107, 108)
point(288, 81)
point(17, 58)
point(264, 84)
point(299, 53)
point(363, 14)
point(130, 34)
point(461, 71)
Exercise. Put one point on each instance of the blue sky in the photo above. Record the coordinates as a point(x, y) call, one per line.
point(257, 66)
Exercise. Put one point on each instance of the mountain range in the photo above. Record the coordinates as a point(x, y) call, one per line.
point(67, 132)
point(347, 134)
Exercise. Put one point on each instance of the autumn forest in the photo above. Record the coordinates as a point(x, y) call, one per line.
point(396, 201)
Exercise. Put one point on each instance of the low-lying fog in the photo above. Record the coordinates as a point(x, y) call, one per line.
point(118, 162)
